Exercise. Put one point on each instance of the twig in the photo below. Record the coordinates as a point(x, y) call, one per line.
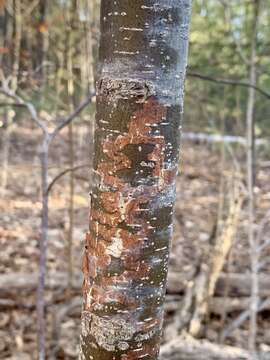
point(241, 318)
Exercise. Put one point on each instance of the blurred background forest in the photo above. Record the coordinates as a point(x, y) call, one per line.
point(220, 261)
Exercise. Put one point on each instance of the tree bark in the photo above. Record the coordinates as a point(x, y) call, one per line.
point(143, 55)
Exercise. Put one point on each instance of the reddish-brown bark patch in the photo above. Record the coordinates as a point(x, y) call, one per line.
point(119, 231)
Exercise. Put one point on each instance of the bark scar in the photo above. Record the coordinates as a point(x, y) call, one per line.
point(116, 89)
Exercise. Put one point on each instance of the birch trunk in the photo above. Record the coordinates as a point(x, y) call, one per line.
point(140, 87)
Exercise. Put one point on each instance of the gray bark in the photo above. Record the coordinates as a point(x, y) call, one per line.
point(142, 64)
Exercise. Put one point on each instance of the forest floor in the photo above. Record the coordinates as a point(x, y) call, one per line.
point(195, 218)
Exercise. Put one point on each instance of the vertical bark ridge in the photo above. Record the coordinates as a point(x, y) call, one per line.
point(143, 54)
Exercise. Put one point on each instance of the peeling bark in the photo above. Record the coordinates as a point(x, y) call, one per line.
point(143, 54)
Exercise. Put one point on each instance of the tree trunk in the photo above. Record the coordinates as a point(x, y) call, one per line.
point(251, 181)
point(143, 55)
point(42, 38)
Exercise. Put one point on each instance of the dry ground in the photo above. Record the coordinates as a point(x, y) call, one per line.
point(20, 207)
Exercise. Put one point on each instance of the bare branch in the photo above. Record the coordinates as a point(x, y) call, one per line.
point(261, 228)
point(243, 317)
point(228, 82)
point(4, 104)
point(64, 172)
point(70, 117)
point(218, 138)
point(21, 102)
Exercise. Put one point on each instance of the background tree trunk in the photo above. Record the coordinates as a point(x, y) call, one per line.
point(42, 38)
point(143, 55)
point(254, 260)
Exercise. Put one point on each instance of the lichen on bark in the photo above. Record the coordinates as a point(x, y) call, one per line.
point(139, 104)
